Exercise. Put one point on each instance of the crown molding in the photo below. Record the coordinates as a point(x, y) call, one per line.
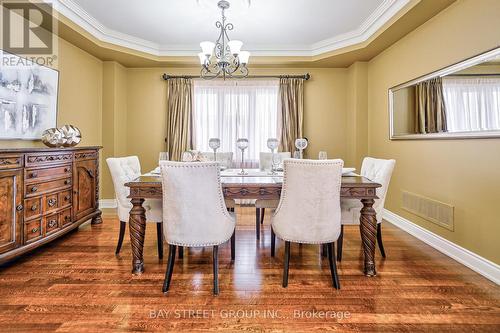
point(387, 10)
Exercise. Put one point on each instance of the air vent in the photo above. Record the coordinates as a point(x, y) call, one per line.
point(434, 211)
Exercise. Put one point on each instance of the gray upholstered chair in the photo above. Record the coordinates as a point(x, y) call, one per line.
point(265, 164)
point(309, 208)
point(194, 213)
point(123, 170)
point(377, 170)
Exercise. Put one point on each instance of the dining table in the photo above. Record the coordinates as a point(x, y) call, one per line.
point(255, 184)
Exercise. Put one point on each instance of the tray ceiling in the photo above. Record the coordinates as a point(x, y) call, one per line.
point(267, 27)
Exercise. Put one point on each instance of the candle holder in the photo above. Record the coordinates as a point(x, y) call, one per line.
point(242, 144)
point(273, 144)
point(214, 144)
point(301, 144)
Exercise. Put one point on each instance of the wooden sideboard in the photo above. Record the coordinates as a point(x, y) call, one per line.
point(44, 194)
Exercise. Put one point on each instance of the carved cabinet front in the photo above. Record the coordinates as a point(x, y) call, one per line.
point(11, 191)
point(85, 184)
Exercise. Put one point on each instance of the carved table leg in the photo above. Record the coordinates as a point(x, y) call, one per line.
point(97, 219)
point(368, 229)
point(137, 227)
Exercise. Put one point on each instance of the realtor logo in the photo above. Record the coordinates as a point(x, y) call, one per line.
point(27, 27)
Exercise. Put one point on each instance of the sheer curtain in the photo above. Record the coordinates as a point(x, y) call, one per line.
point(233, 109)
point(472, 103)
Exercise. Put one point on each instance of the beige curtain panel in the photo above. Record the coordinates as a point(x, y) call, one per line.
point(291, 115)
point(430, 111)
point(179, 136)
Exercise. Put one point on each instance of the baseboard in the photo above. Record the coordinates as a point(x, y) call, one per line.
point(483, 266)
point(107, 203)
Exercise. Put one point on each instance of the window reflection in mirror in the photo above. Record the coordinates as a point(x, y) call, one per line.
point(460, 101)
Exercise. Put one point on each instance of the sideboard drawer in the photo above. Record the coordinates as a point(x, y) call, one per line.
point(51, 202)
point(40, 159)
point(48, 186)
point(65, 217)
point(65, 198)
point(11, 161)
point(32, 231)
point(51, 224)
point(32, 208)
point(32, 175)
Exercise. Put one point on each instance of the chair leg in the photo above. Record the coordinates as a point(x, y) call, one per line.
point(379, 239)
point(323, 250)
point(287, 263)
point(159, 236)
point(340, 242)
point(216, 269)
point(262, 213)
point(233, 245)
point(257, 223)
point(123, 225)
point(181, 252)
point(273, 242)
point(170, 267)
point(333, 265)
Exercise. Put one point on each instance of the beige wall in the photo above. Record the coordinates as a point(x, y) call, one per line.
point(114, 119)
point(357, 114)
point(80, 95)
point(325, 113)
point(464, 173)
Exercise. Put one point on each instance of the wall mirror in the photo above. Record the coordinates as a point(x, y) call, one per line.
point(459, 101)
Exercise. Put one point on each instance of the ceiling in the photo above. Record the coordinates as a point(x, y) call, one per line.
point(267, 27)
point(129, 47)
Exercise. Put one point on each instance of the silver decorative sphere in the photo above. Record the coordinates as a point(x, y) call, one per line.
point(53, 137)
point(72, 135)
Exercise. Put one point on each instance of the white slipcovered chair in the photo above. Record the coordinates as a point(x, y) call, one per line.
point(309, 209)
point(265, 164)
point(379, 171)
point(123, 170)
point(194, 213)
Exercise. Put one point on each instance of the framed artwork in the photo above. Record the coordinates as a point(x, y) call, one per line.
point(28, 98)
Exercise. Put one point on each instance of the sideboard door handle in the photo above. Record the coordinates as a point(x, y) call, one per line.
point(19, 207)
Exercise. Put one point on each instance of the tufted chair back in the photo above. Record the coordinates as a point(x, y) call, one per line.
point(194, 211)
point(309, 209)
point(266, 159)
point(123, 170)
point(379, 171)
point(224, 158)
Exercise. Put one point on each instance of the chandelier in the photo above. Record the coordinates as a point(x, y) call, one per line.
point(224, 57)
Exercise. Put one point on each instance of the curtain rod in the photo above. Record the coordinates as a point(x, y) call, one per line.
point(306, 76)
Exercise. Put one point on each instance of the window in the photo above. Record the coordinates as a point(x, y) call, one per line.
point(472, 104)
point(231, 109)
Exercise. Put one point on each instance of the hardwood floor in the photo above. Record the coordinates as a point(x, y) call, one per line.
point(77, 284)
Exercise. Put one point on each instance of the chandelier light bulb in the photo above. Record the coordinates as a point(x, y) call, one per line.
point(235, 46)
point(202, 58)
point(207, 48)
point(244, 56)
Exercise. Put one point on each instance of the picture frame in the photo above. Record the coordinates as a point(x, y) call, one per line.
point(29, 95)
